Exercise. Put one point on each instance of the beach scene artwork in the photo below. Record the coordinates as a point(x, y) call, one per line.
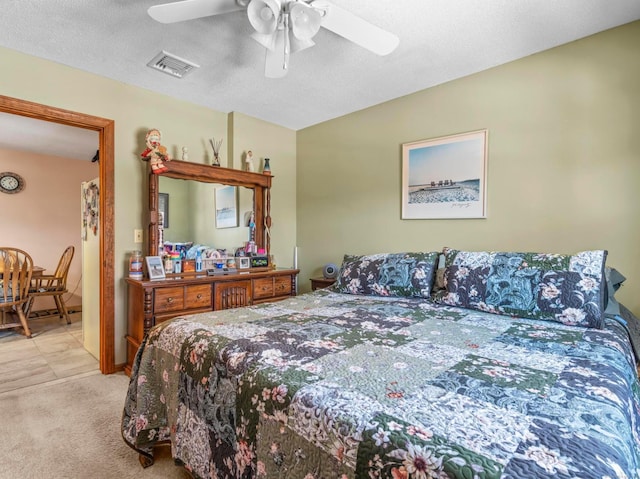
point(227, 207)
point(445, 177)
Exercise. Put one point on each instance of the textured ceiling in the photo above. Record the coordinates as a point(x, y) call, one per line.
point(440, 40)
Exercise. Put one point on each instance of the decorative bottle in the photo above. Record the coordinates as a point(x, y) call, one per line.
point(177, 262)
point(267, 167)
point(199, 260)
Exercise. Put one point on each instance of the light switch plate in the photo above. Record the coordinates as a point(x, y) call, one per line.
point(137, 236)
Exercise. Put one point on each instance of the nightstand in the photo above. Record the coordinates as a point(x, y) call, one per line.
point(319, 283)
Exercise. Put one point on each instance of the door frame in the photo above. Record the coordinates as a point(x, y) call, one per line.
point(106, 128)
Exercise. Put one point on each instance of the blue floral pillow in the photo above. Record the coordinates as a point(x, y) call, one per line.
point(569, 289)
point(392, 274)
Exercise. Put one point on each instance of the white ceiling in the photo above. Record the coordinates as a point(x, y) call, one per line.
point(440, 40)
point(47, 138)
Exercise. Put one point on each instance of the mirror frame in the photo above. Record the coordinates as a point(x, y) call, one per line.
point(184, 170)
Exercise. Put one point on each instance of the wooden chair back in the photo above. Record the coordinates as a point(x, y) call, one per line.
point(62, 271)
point(16, 268)
point(54, 285)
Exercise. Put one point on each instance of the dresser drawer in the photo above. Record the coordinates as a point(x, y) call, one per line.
point(274, 287)
point(282, 286)
point(168, 299)
point(198, 296)
point(262, 288)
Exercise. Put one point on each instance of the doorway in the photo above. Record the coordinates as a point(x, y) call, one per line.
point(105, 129)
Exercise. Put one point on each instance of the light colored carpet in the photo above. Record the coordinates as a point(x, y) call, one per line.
point(70, 428)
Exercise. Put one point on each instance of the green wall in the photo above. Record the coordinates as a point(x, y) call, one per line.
point(279, 145)
point(134, 111)
point(563, 165)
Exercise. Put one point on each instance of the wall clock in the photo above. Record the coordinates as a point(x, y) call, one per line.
point(11, 182)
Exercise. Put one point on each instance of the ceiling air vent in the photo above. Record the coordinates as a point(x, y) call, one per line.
point(171, 65)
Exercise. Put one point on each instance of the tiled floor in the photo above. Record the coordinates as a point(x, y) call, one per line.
point(55, 351)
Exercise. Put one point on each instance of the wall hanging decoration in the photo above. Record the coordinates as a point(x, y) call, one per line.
point(163, 207)
point(90, 208)
point(11, 183)
point(445, 178)
point(227, 207)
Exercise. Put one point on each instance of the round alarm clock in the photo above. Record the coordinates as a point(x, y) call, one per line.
point(330, 271)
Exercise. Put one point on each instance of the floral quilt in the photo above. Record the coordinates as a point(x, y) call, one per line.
point(329, 385)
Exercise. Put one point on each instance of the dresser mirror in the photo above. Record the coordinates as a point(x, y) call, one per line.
point(194, 213)
point(191, 190)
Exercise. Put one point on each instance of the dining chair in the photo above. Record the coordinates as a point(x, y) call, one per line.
point(16, 267)
point(54, 285)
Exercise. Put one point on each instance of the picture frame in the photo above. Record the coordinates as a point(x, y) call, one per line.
point(445, 177)
point(244, 262)
point(163, 207)
point(155, 267)
point(227, 207)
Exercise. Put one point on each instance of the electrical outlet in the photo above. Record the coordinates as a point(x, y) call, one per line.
point(137, 236)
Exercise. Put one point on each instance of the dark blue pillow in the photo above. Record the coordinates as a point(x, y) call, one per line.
point(569, 289)
point(390, 274)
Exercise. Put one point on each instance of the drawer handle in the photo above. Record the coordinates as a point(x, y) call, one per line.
point(264, 288)
point(169, 300)
point(199, 296)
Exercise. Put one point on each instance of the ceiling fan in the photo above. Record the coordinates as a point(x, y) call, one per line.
point(284, 26)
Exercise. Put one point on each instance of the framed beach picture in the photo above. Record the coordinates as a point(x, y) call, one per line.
point(445, 177)
point(227, 207)
point(155, 267)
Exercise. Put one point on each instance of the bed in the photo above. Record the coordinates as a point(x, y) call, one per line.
point(389, 375)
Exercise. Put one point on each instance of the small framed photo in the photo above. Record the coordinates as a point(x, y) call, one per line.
point(244, 262)
point(154, 267)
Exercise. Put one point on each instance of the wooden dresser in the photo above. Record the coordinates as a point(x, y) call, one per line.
point(152, 302)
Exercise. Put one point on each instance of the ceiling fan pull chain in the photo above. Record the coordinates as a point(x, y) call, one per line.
point(287, 44)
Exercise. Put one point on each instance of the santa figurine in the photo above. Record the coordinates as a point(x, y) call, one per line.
point(155, 153)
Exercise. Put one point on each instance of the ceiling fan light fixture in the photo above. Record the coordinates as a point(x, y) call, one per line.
point(267, 40)
point(305, 21)
point(263, 15)
point(298, 45)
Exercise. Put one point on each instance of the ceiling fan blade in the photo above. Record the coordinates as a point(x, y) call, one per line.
point(276, 60)
point(357, 30)
point(191, 9)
